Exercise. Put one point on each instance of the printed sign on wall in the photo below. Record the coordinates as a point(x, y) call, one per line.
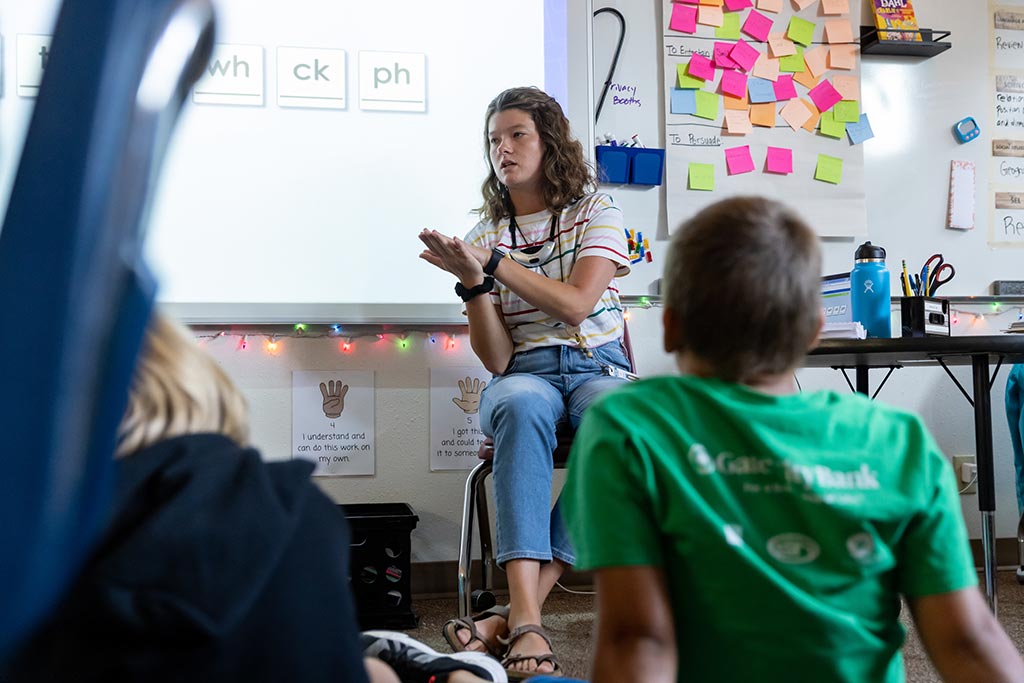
point(234, 75)
point(392, 81)
point(311, 77)
point(455, 434)
point(33, 52)
point(332, 420)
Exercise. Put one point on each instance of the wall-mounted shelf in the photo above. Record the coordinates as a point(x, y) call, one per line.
point(932, 43)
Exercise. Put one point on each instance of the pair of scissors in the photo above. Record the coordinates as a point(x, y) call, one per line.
point(935, 273)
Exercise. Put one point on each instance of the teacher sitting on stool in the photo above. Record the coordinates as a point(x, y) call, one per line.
point(536, 278)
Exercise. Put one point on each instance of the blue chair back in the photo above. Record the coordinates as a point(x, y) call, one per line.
point(76, 295)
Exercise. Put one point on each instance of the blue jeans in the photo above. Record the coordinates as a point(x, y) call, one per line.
point(520, 410)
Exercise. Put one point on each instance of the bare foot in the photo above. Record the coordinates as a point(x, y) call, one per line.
point(530, 645)
point(490, 628)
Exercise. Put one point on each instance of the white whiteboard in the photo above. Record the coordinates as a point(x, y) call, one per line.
point(268, 212)
point(912, 103)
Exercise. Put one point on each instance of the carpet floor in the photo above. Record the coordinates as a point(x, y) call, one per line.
point(569, 619)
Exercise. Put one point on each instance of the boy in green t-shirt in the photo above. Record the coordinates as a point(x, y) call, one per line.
point(741, 530)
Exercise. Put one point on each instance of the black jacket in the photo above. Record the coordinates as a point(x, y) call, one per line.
point(216, 567)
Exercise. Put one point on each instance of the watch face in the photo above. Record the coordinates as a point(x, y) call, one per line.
point(968, 126)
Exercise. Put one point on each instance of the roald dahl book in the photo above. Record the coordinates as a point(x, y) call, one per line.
point(895, 14)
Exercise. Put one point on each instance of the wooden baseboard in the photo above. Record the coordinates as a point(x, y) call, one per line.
point(442, 578)
point(1006, 552)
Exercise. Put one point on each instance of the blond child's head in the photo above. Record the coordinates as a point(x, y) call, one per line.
point(177, 390)
point(743, 289)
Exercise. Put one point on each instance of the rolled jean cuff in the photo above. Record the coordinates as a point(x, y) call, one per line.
point(523, 555)
point(564, 557)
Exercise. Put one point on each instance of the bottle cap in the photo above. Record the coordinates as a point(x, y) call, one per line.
point(869, 251)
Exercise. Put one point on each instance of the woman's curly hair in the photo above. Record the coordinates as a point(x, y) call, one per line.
point(567, 175)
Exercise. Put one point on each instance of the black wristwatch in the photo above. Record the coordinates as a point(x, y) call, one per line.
point(468, 293)
point(492, 264)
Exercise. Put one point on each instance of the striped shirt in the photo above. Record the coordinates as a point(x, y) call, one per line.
point(590, 227)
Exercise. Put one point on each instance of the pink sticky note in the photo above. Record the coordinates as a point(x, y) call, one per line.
point(701, 67)
point(757, 26)
point(722, 58)
point(684, 18)
point(744, 54)
point(784, 88)
point(734, 83)
point(824, 96)
point(780, 160)
point(738, 160)
point(737, 5)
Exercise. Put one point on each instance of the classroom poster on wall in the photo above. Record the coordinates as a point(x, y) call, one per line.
point(765, 100)
point(455, 434)
point(333, 421)
point(1006, 188)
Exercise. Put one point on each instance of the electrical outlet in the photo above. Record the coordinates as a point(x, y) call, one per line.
point(970, 484)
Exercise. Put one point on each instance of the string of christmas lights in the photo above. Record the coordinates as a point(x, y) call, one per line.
point(447, 339)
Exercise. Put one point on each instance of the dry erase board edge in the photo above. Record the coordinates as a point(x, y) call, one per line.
point(315, 313)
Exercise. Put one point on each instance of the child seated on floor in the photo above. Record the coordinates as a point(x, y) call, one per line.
point(741, 530)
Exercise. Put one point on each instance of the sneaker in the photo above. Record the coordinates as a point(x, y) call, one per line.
point(414, 662)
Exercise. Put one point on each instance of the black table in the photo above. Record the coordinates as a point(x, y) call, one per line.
point(979, 352)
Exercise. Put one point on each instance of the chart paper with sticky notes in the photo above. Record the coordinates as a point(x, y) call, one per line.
point(757, 130)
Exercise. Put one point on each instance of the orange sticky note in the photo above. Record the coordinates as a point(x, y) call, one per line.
point(838, 31)
point(811, 123)
point(763, 114)
point(709, 15)
point(835, 7)
point(770, 5)
point(766, 68)
point(738, 123)
point(806, 79)
point(735, 103)
point(848, 86)
point(815, 60)
point(842, 56)
point(795, 114)
point(712, 3)
point(780, 46)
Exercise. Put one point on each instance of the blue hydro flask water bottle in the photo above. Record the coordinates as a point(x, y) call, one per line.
point(869, 291)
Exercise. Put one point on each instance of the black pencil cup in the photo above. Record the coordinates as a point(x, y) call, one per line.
point(923, 316)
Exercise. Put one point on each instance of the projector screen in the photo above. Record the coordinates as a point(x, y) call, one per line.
point(324, 135)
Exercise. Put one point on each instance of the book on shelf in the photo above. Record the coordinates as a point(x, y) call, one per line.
point(895, 14)
point(850, 330)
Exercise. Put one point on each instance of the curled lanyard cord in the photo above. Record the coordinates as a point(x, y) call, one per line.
point(615, 59)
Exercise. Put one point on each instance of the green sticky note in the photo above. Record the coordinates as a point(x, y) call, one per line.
point(687, 81)
point(801, 31)
point(847, 110)
point(830, 169)
point(707, 105)
point(793, 64)
point(702, 176)
point(829, 125)
point(730, 28)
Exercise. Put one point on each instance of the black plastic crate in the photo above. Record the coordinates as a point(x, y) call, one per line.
point(380, 566)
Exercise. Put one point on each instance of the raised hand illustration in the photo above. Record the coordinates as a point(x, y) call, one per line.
point(334, 397)
point(470, 401)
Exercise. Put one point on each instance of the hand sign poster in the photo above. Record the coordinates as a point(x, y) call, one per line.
point(455, 434)
point(332, 420)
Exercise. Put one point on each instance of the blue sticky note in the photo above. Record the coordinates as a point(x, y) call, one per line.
point(684, 101)
point(761, 90)
point(860, 131)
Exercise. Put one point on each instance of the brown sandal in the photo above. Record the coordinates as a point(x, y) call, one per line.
point(452, 627)
point(511, 660)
